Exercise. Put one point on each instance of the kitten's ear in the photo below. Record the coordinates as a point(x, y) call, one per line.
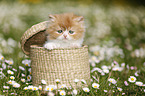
point(79, 18)
point(52, 17)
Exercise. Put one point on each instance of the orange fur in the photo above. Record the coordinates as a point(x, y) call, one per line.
point(66, 21)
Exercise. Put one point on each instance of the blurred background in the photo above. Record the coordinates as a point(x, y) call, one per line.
point(113, 27)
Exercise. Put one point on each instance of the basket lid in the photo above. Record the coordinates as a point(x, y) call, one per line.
point(34, 36)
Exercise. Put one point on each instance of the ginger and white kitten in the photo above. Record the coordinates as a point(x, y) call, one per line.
point(65, 31)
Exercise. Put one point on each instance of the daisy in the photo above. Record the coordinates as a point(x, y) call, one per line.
point(10, 62)
point(57, 81)
point(132, 79)
point(86, 89)
point(16, 85)
point(62, 93)
point(23, 80)
point(40, 87)
point(26, 62)
point(43, 82)
point(126, 84)
point(6, 87)
point(74, 92)
point(95, 85)
point(63, 86)
point(30, 87)
point(12, 77)
point(76, 80)
point(1, 57)
point(139, 83)
point(10, 72)
point(21, 68)
point(120, 89)
point(35, 88)
point(26, 88)
point(105, 70)
point(29, 78)
point(83, 81)
point(105, 91)
point(111, 80)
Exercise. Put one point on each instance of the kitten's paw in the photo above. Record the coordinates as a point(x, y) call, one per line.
point(49, 46)
point(74, 45)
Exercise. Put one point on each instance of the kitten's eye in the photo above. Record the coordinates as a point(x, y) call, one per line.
point(59, 31)
point(71, 32)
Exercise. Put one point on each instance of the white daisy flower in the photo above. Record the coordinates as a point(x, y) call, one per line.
point(10, 72)
point(105, 91)
point(1, 57)
point(105, 70)
point(132, 79)
point(26, 88)
point(40, 87)
point(62, 86)
point(29, 70)
point(23, 75)
point(29, 78)
point(86, 89)
point(23, 80)
point(12, 77)
point(83, 81)
point(136, 73)
point(138, 83)
point(74, 92)
point(95, 85)
point(16, 85)
point(62, 93)
point(30, 87)
point(21, 68)
point(35, 88)
point(113, 81)
point(10, 62)
point(26, 62)
point(11, 82)
point(76, 80)
point(6, 87)
point(57, 80)
point(43, 82)
point(14, 69)
point(120, 89)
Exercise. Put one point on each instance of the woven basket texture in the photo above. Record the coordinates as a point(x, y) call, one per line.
point(33, 36)
point(64, 64)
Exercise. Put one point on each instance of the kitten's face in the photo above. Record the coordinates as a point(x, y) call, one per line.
point(66, 27)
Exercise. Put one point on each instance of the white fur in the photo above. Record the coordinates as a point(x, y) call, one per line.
point(62, 42)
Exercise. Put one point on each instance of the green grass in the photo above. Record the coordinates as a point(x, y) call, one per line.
point(113, 34)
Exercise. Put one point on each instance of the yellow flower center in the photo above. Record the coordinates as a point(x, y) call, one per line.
point(47, 88)
point(30, 72)
point(10, 63)
point(12, 77)
point(30, 88)
point(62, 93)
point(10, 82)
point(95, 86)
point(132, 79)
point(28, 77)
point(40, 88)
point(14, 85)
point(51, 89)
point(10, 72)
point(111, 81)
point(34, 88)
point(2, 58)
point(25, 88)
point(26, 64)
point(86, 90)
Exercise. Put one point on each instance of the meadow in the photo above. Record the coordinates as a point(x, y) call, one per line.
point(115, 36)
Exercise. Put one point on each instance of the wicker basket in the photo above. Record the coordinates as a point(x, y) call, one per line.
point(64, 64)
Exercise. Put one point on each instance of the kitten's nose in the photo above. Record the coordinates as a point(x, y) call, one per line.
point(65, 36)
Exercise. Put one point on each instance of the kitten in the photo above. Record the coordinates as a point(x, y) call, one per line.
point(65, 31)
